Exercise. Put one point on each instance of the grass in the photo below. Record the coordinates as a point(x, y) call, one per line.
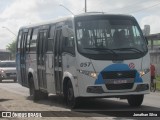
point(158, 82)
point(158, 78)
point(158, 85)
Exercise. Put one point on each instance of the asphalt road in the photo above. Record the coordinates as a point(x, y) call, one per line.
point(98, 106)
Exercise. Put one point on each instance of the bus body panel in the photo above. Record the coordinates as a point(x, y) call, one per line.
point(18, 68)
point(33, 68)
point(27, 66)
point(50, 73)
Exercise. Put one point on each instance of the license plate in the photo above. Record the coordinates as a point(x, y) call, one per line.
point(119, 81)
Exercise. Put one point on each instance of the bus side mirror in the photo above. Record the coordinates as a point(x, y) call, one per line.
point(68, 35)
point(67, 31)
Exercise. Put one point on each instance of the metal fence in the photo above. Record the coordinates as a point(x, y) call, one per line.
point(155, 59)
point(154, 49)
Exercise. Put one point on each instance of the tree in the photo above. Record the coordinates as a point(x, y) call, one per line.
point(12, 48)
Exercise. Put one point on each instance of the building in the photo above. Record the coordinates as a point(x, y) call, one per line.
point(5, 55)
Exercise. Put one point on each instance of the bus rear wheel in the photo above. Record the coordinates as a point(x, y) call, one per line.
point(135, 100)
point(35, 94)
point(15, 80)
point(71, 101)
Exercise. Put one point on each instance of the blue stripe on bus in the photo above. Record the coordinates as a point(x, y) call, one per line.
point(117, 67)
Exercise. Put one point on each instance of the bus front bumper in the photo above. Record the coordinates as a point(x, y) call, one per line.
point(98, 91)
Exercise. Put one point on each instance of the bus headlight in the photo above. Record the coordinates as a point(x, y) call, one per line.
point(143, 72)
point(89, 73)
point(93, 74)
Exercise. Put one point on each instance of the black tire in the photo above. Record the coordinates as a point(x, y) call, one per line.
point(71, 101)
point(0, 80)
point(135, 100)
point(35, 94)
point(43, 95)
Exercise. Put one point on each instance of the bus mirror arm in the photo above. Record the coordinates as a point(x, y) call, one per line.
point(65, 31)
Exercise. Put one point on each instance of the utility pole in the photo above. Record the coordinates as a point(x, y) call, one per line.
point(67, 9)
point(85, 6)
point(9, 30)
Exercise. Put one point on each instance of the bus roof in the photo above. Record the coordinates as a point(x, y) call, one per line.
point(48, 22)
point(102, 14)
point(75, 16)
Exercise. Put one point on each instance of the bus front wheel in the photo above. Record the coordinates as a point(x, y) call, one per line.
point(135, 100)
point(71, 101)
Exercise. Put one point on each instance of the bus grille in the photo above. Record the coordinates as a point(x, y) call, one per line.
point(111, 76)
point(119, 86)
point(118, 74)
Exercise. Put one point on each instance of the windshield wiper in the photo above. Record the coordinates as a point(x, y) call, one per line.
point(130, 49)
point(103, 49)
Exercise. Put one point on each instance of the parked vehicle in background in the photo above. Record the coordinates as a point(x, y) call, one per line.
point(8, 70)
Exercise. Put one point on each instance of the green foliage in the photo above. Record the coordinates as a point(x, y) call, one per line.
point(158, 85)
point(12, 48)
point(158, 82)
point(158, 78)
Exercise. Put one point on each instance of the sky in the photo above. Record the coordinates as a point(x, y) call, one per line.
point(17, 13)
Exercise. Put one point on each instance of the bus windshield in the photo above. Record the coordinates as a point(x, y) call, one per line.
point(118, 37)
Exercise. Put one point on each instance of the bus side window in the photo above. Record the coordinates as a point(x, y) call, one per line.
point(52, 32)
point(50, 40)
point(19, 41)
point(28, 40)
point(68, 40)
point(33, 40)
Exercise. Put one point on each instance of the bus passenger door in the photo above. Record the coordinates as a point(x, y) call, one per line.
point(23, 58)
point(58, 73)
point(41, 63)
point(18, 66)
